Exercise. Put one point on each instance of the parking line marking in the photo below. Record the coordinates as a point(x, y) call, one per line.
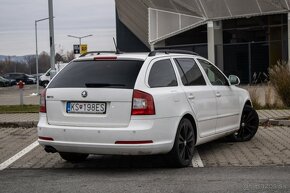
point(196, 160)
point(8, 162)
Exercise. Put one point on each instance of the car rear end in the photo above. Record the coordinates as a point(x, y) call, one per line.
point(4, 82)
point(89, 108)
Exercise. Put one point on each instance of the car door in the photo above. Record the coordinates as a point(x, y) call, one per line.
point(164, 87)
point(199, 94)
point(227, 100)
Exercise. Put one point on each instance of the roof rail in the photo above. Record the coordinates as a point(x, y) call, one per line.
point(153, 53)
point(100, 52)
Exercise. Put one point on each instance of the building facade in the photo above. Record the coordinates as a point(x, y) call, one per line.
point(241, 37)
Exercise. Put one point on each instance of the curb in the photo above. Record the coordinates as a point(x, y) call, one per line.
point(277, 122)
point(274, 122)
point(27, 124)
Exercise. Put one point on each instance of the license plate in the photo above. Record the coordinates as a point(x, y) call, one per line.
point(82, 107)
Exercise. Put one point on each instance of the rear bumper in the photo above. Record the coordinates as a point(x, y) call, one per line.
point(94, 140)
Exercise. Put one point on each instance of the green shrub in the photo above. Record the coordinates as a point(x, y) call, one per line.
point(280, 80)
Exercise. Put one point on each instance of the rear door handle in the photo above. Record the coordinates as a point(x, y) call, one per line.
point(190, 96)
point(218, 94)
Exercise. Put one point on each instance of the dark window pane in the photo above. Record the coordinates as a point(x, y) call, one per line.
point(189, 72)
point(214, 75)
point(105, 74)
point(162, 74)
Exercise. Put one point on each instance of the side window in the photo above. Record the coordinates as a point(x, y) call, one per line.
point(189, 72)
point(162, 74)
point(214, 75)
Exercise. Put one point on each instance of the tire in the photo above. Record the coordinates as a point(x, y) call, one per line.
point(248, 127)
point(183, 148)
point(73, 157)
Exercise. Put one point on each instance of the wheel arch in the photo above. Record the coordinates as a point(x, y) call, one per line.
point(193, 122)
point(248, 102)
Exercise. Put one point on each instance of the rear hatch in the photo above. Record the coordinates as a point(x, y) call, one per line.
point(93, 93)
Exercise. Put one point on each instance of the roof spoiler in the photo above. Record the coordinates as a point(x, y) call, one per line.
point(100, 52)
point(153, 53)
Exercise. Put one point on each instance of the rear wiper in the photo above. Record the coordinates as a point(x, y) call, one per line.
point(102, 85)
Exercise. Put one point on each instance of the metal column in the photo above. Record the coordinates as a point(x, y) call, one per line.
point(51, 38)
point(210, 42)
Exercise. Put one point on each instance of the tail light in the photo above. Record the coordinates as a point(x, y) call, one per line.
point(142, 103)
point(43, 101)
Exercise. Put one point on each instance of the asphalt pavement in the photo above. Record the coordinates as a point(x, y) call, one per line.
point(213, 180)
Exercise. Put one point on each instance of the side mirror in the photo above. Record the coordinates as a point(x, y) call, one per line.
point(234, 80)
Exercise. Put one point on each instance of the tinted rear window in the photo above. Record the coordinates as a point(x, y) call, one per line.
point(162, 74)
point(189, 72)
point(98, 74)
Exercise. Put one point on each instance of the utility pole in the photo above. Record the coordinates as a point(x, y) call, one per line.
point(36, 55)
point(51, 38)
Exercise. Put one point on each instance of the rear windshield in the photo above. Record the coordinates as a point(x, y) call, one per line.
point(98, 74)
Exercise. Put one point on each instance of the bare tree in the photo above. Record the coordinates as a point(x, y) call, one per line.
point(69, 56)
point(58, 58)
point(44, 62)
point(31, 63)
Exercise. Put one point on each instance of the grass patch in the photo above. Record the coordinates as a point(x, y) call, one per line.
point(19, 109)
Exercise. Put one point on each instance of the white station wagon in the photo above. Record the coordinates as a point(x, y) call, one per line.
point(162, 102)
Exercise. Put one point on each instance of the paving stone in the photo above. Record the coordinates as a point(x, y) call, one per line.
point(13, 140)
point(19, 117)
point(270, 146)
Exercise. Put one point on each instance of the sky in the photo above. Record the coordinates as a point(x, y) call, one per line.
point(72, 17)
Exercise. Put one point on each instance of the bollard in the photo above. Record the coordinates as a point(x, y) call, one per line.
point(20, 85)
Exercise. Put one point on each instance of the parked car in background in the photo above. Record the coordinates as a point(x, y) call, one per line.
point(20, 76)
point(4, 82)
point(31, 77)
point(162, 102)
point(45, 78)
point(12, 82)
point(35, 75)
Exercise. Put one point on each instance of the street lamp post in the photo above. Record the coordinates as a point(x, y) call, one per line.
point(51, 38)
point(80, 38)
point(36, 54)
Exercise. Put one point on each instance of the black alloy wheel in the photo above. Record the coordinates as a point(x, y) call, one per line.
point(248, 126)
point(183, 149)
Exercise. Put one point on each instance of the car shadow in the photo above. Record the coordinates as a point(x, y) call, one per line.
point(140, 161)
point(120, 162)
